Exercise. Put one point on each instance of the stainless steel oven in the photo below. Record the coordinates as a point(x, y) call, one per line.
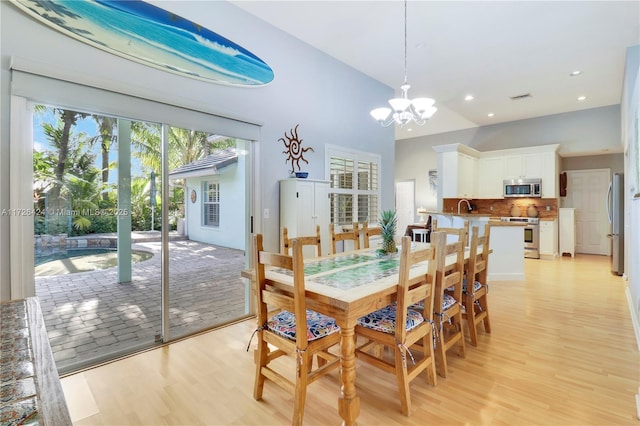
point(531, 235)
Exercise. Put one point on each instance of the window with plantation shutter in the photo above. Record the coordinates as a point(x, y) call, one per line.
point(354, 192)
point(211, 204)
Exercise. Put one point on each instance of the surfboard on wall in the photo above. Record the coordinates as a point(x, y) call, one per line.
point(152, 36)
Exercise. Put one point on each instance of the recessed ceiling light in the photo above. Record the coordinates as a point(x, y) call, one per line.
point(409, 129)
point(582, 98)
point(468, 98)
point(490, 114)
point(575, 73)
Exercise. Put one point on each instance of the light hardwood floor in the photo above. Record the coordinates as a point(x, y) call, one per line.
point(562, 352)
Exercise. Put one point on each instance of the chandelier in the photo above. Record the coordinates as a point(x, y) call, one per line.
point(404, 110)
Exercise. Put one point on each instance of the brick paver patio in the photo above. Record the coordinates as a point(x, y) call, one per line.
point(89, 316)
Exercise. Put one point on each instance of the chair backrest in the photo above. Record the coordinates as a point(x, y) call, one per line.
point(419, 288)
point(453, 231)
point(353, 235)
point(367, 233)
point(267, 294)
point(311, 240)
point(479, 255)
point(450, 274)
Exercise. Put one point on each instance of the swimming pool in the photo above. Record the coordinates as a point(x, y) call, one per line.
point(70, 261)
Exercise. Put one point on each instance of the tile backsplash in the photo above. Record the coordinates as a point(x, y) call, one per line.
point(547, 207)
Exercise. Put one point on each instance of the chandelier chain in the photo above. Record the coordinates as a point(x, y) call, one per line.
point(403, 109)
point(405, 41)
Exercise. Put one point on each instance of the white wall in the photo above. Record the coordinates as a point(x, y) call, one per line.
point(631, 139)
point(329, 100)
point(231, 232)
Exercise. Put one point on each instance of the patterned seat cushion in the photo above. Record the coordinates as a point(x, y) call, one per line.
point(476, 286)
point(447, 302)
point(318, 325)
point(384, 319)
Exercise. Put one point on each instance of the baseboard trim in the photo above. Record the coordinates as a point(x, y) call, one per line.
point(634, 317)
point(505, 277)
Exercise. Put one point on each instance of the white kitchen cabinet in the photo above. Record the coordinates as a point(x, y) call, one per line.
point(548, 238)
point(523, 166)
point(458, 174)
point(304, 203)
point(490, 177)
point(550, 175)
point(567, 226)
point(467, 176)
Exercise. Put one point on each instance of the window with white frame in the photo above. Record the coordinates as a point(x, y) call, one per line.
point(211, 204)
point(355, 189)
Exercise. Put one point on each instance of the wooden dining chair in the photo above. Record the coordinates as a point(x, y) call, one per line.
point(311, 240)
point(452, 230)
point(352, 235)
point(447, 305)
point(398, 328)
point(476, 307)
point(367, 233)
point(294, 330)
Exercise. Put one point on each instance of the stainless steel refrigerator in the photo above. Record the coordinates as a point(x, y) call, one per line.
point(615, 213)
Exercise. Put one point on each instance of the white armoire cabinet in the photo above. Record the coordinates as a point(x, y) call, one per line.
point(567, 226)
point(304, 203)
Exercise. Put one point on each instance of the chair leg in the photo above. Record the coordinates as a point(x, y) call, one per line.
point(471, 319)
point(457, 323)
point(485, 308)
point(440, 352)
point(301, 387)
point(427, 341)
point(260, 358)
point(403, 380)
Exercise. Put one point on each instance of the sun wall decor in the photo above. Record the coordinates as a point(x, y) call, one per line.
point(294, 150)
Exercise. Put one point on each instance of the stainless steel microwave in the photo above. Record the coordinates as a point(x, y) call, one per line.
point(519, 188)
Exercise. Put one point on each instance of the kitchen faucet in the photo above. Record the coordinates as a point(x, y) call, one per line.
point(468, 205)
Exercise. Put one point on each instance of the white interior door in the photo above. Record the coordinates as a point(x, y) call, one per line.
point(586, 192)
point(405, 204)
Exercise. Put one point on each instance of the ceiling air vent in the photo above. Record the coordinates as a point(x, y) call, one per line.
point(518, 97)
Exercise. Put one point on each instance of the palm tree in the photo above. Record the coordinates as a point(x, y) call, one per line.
point(60, 137)
point(106, 128)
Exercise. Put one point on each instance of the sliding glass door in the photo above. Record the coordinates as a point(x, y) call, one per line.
point(139, 232)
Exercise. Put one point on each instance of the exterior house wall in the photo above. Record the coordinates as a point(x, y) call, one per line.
point(328, 99)
point(231, 232)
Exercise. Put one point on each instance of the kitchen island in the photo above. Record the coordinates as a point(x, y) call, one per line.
point(506, 262)
point(452, 220)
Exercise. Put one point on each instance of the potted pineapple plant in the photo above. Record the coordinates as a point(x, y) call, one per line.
point(388, 222)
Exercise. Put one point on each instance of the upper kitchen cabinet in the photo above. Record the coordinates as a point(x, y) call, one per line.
point(550, 174)
point(525, 166)
point(458, 171)
point(536, 162)
point(490, 177)
point(467, 173)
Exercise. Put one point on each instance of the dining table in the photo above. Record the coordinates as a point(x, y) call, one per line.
point(346, 286)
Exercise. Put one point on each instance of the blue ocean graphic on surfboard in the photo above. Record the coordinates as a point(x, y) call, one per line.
point(152, 36)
